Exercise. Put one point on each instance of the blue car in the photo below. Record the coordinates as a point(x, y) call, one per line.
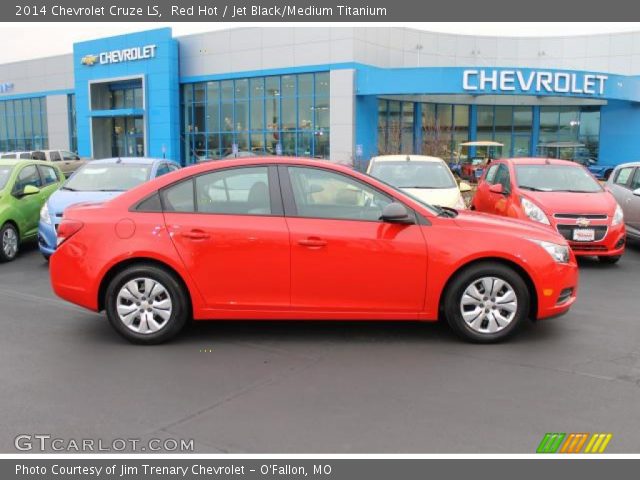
point(96, 181)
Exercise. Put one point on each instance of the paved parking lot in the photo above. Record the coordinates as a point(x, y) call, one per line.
point(322, 387)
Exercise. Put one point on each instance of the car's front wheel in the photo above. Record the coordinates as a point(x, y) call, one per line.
point(486, 302)
point(10, 242)
point(146, 304)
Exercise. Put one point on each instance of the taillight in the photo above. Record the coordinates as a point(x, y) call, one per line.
point(67, 229)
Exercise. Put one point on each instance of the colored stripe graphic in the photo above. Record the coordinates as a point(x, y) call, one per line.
point(574, 443)
point(598, 443)
point(550, 442)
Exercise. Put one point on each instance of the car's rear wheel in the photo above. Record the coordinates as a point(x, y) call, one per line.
point(609, 260)
point(486, 302)
point(146, 304)
point(9, 242)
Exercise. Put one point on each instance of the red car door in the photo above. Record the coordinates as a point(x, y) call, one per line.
point(481, 200)
point(229, 231)
point(502, 202)
point(343, 258)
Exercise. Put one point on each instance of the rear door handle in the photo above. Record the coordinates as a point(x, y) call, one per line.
point(312, 242)
point(195, 235)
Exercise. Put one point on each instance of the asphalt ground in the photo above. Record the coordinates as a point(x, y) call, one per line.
point(322, 387)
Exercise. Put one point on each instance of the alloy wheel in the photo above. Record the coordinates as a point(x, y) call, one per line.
point(144, 305)
point(10, 242)
point(488, 305)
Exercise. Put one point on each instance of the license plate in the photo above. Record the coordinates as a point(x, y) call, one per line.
point(584, 234)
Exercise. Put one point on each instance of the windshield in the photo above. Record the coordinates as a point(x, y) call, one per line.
point(108, 177)
point(5, 173)
point(414, 174)
point(556, 178)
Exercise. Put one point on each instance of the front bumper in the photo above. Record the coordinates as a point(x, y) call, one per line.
point(611, 244)
point(557, 291)
point(47, 238)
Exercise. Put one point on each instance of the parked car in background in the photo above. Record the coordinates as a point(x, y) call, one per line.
point(68, 161)
point(16, 155)
point(473, 157)
point(25, 186)
point(624, 184)
point(97, 181)
point(426, 178)
point(286, 238)
point(560, 194)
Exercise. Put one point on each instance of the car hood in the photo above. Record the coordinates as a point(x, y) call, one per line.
point(445, 197)
point(61, 199)
point(570, 202)
point(469, 219)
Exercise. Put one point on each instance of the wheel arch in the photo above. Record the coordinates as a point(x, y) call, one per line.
point(533, 294)
point(126, 263)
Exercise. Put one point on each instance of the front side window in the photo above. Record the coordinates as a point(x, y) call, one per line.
point(69, 156)
point(491, 174)
point(323, 194)
point(635, 183)
point(27, 176)
point(237, 191)
point(622, 177)
point(503, 177)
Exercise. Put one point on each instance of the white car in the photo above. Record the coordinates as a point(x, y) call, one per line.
point(427, 178)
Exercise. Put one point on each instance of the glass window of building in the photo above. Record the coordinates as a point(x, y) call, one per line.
point(286, 115)
point(73, 125)
point(23, 124)
point(579, 127)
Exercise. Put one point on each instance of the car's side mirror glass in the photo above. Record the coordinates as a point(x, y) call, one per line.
point(30, 190)
point(396, 213)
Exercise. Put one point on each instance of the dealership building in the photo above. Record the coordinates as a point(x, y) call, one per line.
point(343, 94)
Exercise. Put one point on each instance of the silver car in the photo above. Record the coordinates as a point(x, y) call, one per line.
point(624, 184)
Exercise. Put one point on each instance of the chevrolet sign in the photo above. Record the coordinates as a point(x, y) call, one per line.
point(119, 56)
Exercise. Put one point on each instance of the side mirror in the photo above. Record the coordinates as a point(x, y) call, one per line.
point(636, 192)
point(497, 188)
point(30, 190)
point(396, 213)
point(464, 187)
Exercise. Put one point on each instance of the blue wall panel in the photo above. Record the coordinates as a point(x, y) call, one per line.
point(619, 133)
point(160, 75)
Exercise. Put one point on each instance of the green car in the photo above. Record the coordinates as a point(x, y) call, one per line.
point(24, 187)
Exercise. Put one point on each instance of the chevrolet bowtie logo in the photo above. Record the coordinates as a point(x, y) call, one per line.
point(583, 222)
point(89, 60)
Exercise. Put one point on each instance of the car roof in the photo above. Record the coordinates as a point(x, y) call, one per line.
point(407, 158)
point(128, 161)
point(537, 161)
point(628, 164)
point(21, 161)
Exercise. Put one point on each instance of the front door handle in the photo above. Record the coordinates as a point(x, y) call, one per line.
point(312, 242)
point(195, 235)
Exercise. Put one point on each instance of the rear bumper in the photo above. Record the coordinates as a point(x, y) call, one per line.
point(72, 276)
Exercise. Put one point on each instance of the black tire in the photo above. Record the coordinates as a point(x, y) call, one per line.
point(609, 260)
point(177, 294)
point(4, 257)
point(465, 278)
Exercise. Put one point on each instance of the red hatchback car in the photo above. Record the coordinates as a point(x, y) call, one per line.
point(283, 238)
point(560, 194)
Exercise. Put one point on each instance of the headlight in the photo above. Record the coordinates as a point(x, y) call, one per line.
point(560, 253)
point(533, 211)
point(44, 215)
point(460, 205)
point(618, 217)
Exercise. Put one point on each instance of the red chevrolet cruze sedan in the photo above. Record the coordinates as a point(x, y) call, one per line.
point(560, 194)
point(284, 238)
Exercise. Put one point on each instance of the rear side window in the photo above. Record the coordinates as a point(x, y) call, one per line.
point(39, 156)
point(163, 169)
point(150, 204)
point(48, 175)
point(622, 177)
point(55, 156)
point(26, 155)
point(179, 197)
point(237, 191)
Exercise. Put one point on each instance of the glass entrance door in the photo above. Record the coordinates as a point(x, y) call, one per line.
point(128, 137)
